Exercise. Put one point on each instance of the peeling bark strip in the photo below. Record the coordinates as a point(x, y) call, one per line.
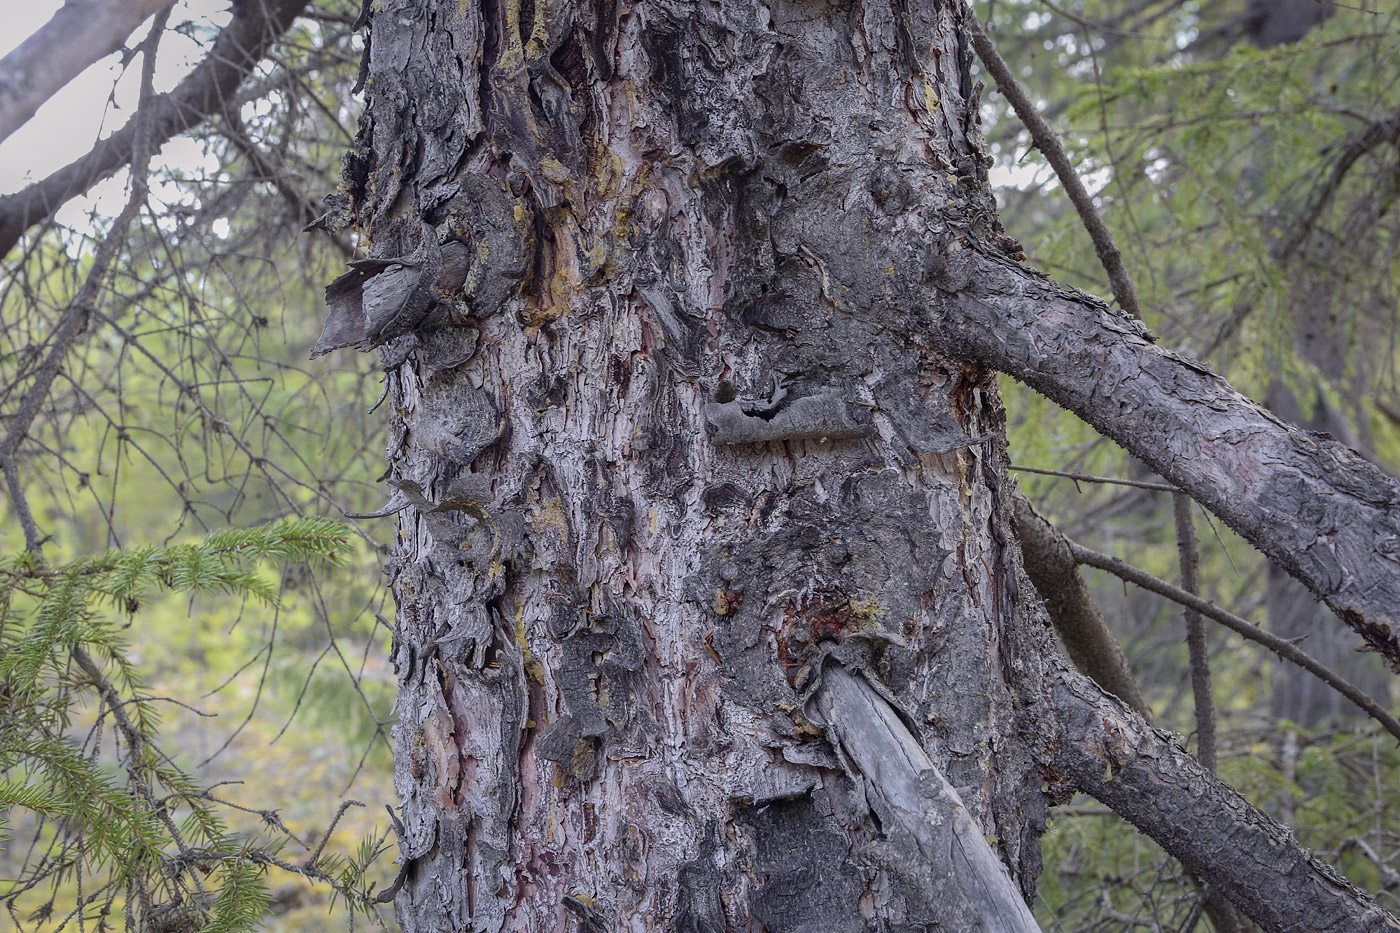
point(913, 799)
point(1112, 754)
point(1317, 508)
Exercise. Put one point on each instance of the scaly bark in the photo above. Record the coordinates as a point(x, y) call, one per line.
point(1103, 748)
point(670, 433)
point(658, 449)
point(1315, 507)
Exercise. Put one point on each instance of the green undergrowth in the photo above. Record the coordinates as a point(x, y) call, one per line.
point(188, 814)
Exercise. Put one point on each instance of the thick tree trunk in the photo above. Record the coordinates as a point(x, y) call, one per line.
point(683, 457)
point(670, 444)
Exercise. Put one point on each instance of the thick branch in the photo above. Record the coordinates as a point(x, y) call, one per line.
point(80, 33)
point(256, 24)
point(1317, 508)
point(1087, 639)
point(1108, 751)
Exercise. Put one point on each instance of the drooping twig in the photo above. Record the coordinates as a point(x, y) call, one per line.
point(1279, 646)
point(79, 312)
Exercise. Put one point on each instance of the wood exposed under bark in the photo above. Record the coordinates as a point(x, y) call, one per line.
point(911, 797)
point(206, 91)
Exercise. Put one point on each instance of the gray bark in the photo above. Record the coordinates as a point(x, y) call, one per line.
point(1318, 509)
point(255, 25)
point(668, 437)
point(1294, 614)
point(681, 453)
point(79, 34)
point(1101, 747)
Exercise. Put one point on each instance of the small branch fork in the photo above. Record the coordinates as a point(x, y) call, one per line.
point(1190, 600)
point(79, 312)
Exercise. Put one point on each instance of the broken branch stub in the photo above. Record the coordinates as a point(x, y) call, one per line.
point(922, 813)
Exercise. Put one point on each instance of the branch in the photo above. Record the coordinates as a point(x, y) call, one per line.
point(1378, 133)
point(79, 311)
point(1315, 507)
point(1108, 751)
point(1048, 142)
point(256, 24)
point(921, 812)
point(1279, 646)
point(80, 33)
point(1087, 639)
point(1189, 557)
point(304, 208)
point(1090, 478)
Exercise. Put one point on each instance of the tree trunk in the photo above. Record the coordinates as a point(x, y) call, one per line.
point(681, 458)
point(682, 481)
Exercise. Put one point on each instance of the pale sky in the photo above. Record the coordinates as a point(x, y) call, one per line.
point(97, 102)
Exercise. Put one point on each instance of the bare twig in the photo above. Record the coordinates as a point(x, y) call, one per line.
point(79, 312)
point(1087, 478)
point(1279, 646)
point(1048, 142)
point(1189, 555)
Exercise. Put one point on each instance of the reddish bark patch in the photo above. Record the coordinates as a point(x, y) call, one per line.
point(825, 615)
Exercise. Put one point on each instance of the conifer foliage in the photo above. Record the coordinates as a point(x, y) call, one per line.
point(121, 823)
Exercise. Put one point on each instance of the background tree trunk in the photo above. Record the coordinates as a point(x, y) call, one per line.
point(1295, 615)
point(690, 449)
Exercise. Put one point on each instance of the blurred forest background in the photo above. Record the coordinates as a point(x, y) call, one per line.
point(1246, 156)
